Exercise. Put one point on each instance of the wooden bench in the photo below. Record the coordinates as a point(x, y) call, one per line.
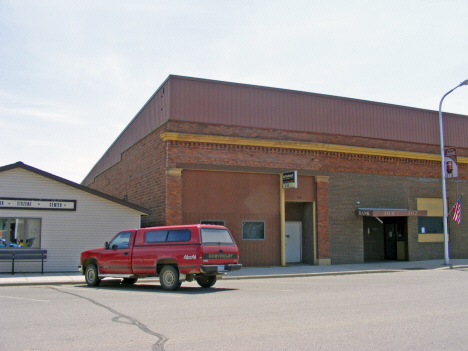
point(23, 255)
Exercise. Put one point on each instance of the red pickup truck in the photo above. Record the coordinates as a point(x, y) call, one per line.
point(175, 254)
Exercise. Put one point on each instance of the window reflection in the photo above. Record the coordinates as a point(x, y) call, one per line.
point(20, 233)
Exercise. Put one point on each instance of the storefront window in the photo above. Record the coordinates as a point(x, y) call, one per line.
point(20, 233)
point(430, 225)
point(433, 222)
point(253, 230)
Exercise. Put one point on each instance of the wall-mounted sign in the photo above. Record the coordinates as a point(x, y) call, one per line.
point(450, 159)
point(290, 180)
point(390, 212)
point(37, 204)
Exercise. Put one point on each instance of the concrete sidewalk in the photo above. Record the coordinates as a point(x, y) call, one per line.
point(294, 270)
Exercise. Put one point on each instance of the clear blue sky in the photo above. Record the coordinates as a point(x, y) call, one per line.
point(74, 73)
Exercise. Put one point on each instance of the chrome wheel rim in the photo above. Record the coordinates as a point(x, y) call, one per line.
point(90, 275)
point(169, 278)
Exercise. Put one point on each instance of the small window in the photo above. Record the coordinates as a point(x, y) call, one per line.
point(216, 236)
point(253, 230)
point(213, 222)
point(121, 241)
point(156, 236)
point(178, 235)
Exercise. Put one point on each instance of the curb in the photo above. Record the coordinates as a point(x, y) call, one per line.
point(265, 276)
point(295, 275)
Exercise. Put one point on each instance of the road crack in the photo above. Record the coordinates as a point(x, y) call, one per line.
point(121, 318)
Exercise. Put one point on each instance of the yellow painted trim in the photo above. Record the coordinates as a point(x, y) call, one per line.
point(431, 238)
point(213, 139)
point(322, 179)
point(283, 223)
point(401, 254)
point(314, 216)
point(324, 261)
point(433, 206)
point(174, 171)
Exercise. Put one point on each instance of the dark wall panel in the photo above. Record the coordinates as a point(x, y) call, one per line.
point(305, 191)
point(236, 197)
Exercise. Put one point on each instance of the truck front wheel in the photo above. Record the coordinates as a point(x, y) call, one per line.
point(206, 281)
point(169, 278)
point(91, 275)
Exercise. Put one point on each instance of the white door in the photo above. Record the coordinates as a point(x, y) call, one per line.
point(293, 241)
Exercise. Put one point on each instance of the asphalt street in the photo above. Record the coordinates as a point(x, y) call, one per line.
point(405, 310)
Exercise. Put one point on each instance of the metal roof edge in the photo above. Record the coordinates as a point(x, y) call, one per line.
point(128, 125)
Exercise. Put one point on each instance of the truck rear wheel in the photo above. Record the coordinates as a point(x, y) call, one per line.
point(169, 278)
point(206, 281)
point(91, 275)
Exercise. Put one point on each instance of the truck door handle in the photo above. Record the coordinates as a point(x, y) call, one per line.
point(125, 253)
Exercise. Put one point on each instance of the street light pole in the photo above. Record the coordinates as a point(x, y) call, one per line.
point(442, 163)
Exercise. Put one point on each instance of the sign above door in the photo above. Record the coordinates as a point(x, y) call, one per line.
point(390, 212)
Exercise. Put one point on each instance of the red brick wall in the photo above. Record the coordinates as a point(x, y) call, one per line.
point(273, 134)
point(302, 160)
point(382, 181)
point(141, 176)
point(174, 197)
point(323, 234)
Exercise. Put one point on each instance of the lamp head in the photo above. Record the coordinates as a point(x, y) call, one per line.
point(464, 83)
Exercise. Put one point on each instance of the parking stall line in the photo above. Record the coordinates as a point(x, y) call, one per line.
point(107, 291)
point(23, 298)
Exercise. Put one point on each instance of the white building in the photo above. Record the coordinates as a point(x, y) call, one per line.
point(39, 210)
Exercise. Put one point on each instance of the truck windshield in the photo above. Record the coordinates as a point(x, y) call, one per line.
point(216, 236)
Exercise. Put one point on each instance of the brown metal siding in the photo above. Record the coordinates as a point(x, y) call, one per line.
point(236, 197)
point(213, 102)
point(251, 106)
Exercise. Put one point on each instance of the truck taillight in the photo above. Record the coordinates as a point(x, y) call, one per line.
point(200, 252)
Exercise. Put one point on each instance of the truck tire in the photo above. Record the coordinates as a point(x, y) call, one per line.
point(206, 281)
point(91, 275)
point(129, 281)
point(169, 278)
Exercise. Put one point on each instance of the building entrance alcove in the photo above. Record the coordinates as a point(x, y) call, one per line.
point(299, 232)
point(387, 240)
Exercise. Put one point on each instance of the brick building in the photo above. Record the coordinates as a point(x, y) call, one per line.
point(369, 186)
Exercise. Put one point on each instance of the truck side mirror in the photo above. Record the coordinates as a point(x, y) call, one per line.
point(106, 245)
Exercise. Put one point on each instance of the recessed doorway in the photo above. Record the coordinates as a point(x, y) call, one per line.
point(293, 232)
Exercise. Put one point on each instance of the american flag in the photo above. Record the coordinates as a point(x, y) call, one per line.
point(457, 211)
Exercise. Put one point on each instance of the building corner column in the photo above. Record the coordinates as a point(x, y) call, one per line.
point(283, 224)
point(173, 196)
point(323, 226)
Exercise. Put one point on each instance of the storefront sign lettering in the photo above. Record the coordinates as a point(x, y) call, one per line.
point(391, 213)
point(37, 204)
point(290, 180)
point(23, 204)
